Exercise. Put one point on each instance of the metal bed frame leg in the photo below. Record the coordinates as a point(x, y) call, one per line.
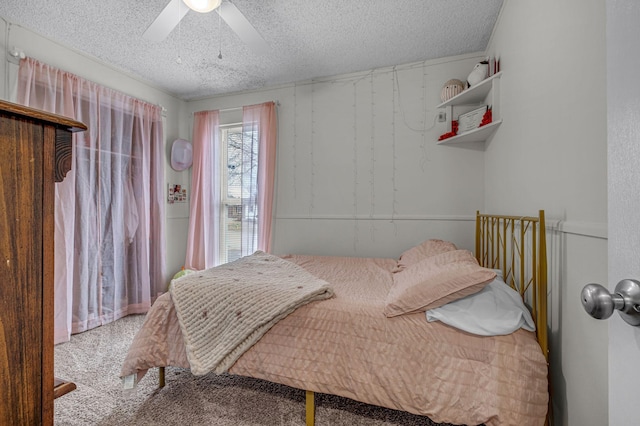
point(310, 408)
point(310, 404)
point(161, 374)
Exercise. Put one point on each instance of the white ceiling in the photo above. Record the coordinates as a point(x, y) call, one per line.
point(307, 38)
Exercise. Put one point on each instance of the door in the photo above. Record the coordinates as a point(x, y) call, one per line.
point(623, 118)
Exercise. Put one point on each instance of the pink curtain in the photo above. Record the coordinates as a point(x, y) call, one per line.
point(109, 212)
point(204, 226)
point(259, 128)
point(263, 119)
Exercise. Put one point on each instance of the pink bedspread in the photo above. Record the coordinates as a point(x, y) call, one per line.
point(346, 346)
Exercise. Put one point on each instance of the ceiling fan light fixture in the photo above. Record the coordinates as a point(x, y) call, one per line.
point(202, 6)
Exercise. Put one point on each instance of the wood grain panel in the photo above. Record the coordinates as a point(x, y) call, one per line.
point(21, 271)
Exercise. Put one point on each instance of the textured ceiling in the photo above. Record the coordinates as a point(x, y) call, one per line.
point(307, 38)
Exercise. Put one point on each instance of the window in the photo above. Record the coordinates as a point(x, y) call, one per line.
point(110, 211)
point(239, 176)
point(231, 207)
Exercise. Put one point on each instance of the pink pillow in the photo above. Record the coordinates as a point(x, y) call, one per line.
point(436, 281)
point(422, 251)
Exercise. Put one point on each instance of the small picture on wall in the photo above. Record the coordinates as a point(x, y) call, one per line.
point(176, 194)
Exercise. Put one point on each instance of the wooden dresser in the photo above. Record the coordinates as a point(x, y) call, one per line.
point(35, 152)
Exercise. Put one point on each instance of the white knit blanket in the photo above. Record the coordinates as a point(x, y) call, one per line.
point(224, 310)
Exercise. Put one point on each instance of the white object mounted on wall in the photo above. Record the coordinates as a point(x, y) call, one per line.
point(480, 72)
point(181, 155)
point(15, 54)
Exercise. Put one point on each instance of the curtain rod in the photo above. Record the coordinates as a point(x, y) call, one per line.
point(230, 109)
point(239, 108)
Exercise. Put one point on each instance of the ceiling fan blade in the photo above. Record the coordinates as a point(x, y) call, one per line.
point(166, 21)
point(242, 27)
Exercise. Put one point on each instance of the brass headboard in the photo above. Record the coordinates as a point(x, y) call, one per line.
point(517, 245)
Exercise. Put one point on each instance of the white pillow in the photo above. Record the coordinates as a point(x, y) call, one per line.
point(495, 310)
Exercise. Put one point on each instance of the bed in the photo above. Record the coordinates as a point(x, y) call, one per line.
point(369, 333)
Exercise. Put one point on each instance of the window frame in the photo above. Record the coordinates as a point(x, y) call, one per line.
point(225, 201)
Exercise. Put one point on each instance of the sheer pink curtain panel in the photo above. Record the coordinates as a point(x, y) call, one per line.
point(263, 117)
point(204, 208)
point(109, 212)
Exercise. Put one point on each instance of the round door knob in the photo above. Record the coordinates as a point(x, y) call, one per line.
point(598, 302)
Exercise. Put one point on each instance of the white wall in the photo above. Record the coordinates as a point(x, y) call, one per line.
point(359, 173)
point(551, 153)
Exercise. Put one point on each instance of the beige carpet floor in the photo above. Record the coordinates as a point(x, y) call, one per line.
point(92, 360)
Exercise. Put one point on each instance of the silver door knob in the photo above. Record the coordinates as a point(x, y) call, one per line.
point(600, 304)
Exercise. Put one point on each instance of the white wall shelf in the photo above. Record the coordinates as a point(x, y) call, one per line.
point(487, 92)
point(480, 134)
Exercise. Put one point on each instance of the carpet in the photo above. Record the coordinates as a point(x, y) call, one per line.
point(92, 361)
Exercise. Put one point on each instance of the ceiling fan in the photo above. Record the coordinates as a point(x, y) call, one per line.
point(173, 13)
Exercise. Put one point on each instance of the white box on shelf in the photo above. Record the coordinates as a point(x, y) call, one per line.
point(471, 120)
